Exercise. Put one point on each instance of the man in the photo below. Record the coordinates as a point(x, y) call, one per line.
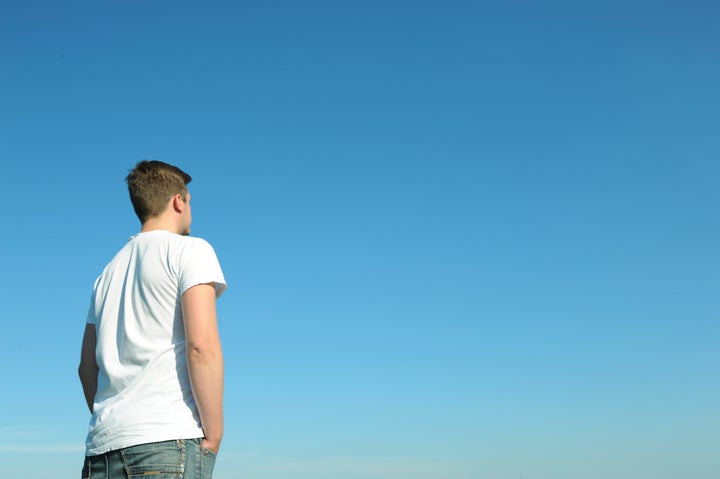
point(151, 365)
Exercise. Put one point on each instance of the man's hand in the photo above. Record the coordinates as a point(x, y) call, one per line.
point(212, 446)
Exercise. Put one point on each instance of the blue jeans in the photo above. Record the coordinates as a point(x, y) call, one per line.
point(179, 459)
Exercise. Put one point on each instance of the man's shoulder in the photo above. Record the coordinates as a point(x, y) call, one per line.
point(195, 241)
point(194, 245)
point(169, 245)
point(163, 236)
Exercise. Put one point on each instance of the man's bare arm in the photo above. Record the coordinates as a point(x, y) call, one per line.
point(205, 361)
point(88, 369)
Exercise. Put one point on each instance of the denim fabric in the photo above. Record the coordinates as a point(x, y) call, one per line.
point(180, 459)
point(200, 460)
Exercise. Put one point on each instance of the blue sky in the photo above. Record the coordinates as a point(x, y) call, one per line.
point(463, 240)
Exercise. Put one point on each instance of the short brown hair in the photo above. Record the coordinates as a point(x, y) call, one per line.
point(152, 184)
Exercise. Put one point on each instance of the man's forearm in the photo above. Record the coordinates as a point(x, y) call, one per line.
point(88, 369)
point(88, 378)
point(205, 367)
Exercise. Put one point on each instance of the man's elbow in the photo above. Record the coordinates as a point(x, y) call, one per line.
point(204, 351)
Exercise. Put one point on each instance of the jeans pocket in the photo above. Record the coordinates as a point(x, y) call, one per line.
point(201, 460)
point(207, 462)
point(161, 460)
point(209, 452)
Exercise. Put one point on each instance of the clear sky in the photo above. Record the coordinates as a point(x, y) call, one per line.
point(463, 240)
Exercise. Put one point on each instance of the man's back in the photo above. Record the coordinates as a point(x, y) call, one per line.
point(144, 393)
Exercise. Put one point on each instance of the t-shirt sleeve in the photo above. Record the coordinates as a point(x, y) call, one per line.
point(91, 316)
point(199, 266)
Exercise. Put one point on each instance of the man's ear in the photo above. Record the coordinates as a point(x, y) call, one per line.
point(178, 204)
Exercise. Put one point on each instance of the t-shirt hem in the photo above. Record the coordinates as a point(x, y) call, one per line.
point(96, 451)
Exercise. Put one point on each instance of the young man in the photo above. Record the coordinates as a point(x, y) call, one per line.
point(151, 364)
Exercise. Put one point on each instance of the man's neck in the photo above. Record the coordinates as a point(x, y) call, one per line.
point(159, 223)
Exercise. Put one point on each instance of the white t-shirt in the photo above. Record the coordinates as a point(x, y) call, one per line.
point(144, 393)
